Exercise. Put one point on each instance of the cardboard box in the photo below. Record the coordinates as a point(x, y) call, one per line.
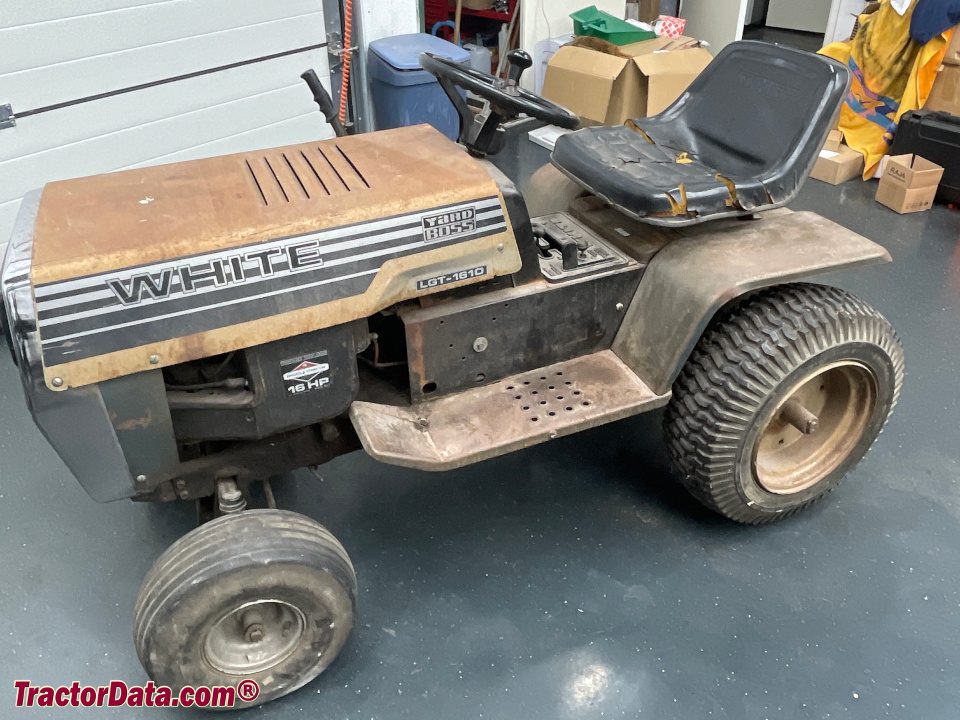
point(953, 49)
point(596, 86)
point(945, 94)
point(638, 80)
point(834, 141)
point(909, 183)
point(838, 166)
point(665, 72)
point(478, 4)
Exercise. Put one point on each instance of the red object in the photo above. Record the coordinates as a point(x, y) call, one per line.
point(347, 51)
point(435, 11)
point(671, 27)
point(505, 17)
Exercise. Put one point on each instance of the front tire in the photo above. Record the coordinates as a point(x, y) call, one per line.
point(736, 439)
point(263, 595)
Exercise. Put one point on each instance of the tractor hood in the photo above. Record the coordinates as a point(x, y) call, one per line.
point(155, 266)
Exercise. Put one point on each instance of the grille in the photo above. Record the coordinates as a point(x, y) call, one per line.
point(305, 173)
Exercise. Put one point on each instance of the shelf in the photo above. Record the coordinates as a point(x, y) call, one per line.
point(502, 17)
point(489, 14)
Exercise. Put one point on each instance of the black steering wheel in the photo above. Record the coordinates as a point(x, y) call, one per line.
point(482, 133)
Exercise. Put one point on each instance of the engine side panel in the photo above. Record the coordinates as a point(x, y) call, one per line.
point(290, 383)
point(473, 341)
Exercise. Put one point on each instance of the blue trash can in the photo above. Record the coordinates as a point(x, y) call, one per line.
point(403, 92)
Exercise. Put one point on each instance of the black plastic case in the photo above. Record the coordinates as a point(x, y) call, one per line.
point(934, 136)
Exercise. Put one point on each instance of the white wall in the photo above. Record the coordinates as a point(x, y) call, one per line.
point(808, 15)
point(718, 22)
point(377, 19)
point(843, 16)
point(383, 18)
point(56, 53)
point(540, 19)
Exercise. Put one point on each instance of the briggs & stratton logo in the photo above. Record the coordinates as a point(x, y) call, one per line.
point(306, 371)
point(305, 374)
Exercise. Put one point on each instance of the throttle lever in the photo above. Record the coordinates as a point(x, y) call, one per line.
point(323, 100)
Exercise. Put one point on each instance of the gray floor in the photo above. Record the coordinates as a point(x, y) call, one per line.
point(573, 580)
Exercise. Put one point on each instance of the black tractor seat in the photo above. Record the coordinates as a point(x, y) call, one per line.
point(742, 138)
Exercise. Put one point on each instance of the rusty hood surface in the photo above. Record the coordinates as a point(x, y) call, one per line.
point(156, 266)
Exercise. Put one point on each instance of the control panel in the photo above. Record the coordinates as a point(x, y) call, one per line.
point(570, 250)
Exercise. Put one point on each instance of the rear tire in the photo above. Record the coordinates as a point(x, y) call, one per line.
point(726, 429)
point(263, 595)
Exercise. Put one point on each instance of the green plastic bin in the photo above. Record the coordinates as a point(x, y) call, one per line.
point(599, 24)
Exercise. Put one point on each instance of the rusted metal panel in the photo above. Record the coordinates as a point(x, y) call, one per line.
point(550, 191)
point(157, 266)
point(515, 413)
point(101, 223)
point(138, 410)
point(710, 265)
point(471, 341)
point(639, 240)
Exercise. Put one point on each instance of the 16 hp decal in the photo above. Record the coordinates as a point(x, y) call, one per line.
point(305, 373)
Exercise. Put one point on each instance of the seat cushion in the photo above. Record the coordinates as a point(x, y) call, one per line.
point(656, 183)
point(741, 138)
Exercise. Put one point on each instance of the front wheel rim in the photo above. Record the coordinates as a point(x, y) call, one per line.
point(254, 637)
point(843, 398)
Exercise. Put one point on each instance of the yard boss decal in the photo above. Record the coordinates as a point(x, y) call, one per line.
point(99, 314)
point(449, 224)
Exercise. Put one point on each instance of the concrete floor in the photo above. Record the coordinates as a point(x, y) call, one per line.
point(572, 580)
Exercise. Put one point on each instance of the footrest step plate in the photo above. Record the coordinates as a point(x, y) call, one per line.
point(509, 415)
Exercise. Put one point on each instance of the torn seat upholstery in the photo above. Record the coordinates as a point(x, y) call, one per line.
point(742, 138)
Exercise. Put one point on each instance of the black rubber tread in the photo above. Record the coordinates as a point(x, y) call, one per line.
point(217, 541)
point(249, 538)
point(750, 347)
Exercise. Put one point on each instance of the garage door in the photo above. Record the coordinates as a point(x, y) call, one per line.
point(102, 85)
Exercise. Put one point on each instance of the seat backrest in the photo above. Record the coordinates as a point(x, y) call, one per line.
point(758, 111)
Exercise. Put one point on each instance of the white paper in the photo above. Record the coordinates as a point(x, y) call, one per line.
point(901, 6)
point(828, 154)
point(547, 135)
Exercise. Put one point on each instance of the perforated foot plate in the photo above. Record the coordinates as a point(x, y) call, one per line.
point(512, 414)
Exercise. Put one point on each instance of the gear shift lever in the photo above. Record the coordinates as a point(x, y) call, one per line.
point(518, 61)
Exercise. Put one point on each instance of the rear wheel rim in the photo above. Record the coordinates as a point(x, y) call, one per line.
point(843, 396)
point(253, 637)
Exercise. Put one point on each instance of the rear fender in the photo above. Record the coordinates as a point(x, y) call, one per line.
point(688, 281)
point(550, 191)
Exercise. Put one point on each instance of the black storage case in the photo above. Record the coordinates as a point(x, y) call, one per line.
point(934, 136)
